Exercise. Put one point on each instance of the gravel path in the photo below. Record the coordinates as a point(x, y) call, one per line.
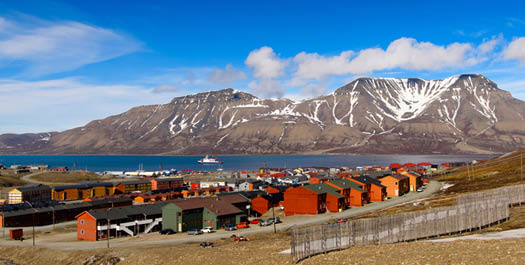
point(27, 178)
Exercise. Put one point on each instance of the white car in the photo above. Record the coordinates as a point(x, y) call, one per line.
point(208, 229)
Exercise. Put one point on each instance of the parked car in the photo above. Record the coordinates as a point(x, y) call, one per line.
point(275, 219)
point(341, 221)
point(266, 222)
point(194, 232)
point(208, 229)
point(242, 225)
point(229, 227)
point(167, 231)
point(420, 189)
point(255, 221)
point(206, 245)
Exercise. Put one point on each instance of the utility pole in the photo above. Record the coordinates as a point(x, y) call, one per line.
point(33, 225)
point(53, 207)
point(468, 172)
point(273, 215)
point(107, 226)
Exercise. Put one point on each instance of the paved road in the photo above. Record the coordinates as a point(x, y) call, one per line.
point(55, 241)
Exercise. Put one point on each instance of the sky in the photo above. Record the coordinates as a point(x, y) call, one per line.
point(65, 63)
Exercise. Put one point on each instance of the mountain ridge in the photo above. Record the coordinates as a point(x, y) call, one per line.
point(459, 114)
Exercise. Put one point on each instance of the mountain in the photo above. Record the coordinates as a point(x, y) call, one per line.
point(459, 114)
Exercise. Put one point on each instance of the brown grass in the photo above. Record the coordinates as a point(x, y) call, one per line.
point(69, 177)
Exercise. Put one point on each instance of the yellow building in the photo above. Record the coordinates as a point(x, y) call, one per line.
point(29, 193)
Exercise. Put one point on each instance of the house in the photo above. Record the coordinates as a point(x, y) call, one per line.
point(301, 200)
point(396, 185)
point(131, 220)
point(29, 193)
point(320, 179)
point(251, 184)
point(415, 180)
point(276, 188)
point(265, 202)
point(184, 215)
point(236, 199)
point(133, 186)
point(375, 191)
point(354, 194)
point(166, 183)
point(335, 202)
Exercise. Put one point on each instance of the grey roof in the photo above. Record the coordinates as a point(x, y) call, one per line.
point(135, 182)
point(168, 179)
point(123, 213)
point(33, 187)
point(368, 180)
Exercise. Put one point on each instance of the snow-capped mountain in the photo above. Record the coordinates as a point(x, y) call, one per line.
point(459, 114)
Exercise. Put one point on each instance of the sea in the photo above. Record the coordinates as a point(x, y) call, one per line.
point(101, 163)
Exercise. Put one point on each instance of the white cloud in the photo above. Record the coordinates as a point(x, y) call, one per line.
point(515, 50)
point(51, 47)
point(403, 53)
point(227, 76)
point(165, 89)
point(268, 88)
point(265, 63)
point(61, 104)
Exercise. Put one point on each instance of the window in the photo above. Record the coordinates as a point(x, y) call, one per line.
point(81, 231)
point(82, 221)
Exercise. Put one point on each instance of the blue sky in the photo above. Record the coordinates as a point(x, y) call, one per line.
point(65, 63)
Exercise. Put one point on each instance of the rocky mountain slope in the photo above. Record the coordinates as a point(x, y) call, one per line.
point(459, 114)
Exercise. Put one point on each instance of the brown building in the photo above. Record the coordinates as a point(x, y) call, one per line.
point(415, 180)
point(133, 186)
point(166, 183)
point(29, 193)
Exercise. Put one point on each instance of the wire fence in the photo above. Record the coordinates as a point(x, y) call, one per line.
point(473, 211)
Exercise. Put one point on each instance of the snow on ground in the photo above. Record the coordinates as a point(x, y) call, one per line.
point(446, 186)
point(509, 234)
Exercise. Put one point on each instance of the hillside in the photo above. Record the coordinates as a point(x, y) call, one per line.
point(459, 114)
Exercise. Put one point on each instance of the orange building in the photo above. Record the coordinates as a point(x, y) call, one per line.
point(396, 185)
point(166, 183)
point(415, 180)
point(263, 203)
point(375, 191)
point(300, 200)
point(353, 192)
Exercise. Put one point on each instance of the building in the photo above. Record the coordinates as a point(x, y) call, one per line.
point(265, 202)
point(375, 191)
point(312, 199)
point(133, 186)
point(251, 184)
point(166, 183)
point(197, 213)
point(49, 213)
point(415, 180)
point(354, 194)
point(131, 220)
point(29, 193)
point(396, 185)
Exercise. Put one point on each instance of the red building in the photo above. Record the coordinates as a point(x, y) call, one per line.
point(313, 199)
point(263, 203)
point(375, 191)
point(300, 200)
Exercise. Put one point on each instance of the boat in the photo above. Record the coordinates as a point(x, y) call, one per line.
point(208, 160)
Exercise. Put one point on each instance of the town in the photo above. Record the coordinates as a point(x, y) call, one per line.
point(172, 201)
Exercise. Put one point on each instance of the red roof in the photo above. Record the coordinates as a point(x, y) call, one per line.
point(424, 164)
point(277, 175)
point(395, 165)
point(410, 165)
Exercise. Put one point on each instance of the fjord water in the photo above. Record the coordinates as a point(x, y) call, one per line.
point(100, 163)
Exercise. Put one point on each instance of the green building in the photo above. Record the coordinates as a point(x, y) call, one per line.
point(197, 213)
